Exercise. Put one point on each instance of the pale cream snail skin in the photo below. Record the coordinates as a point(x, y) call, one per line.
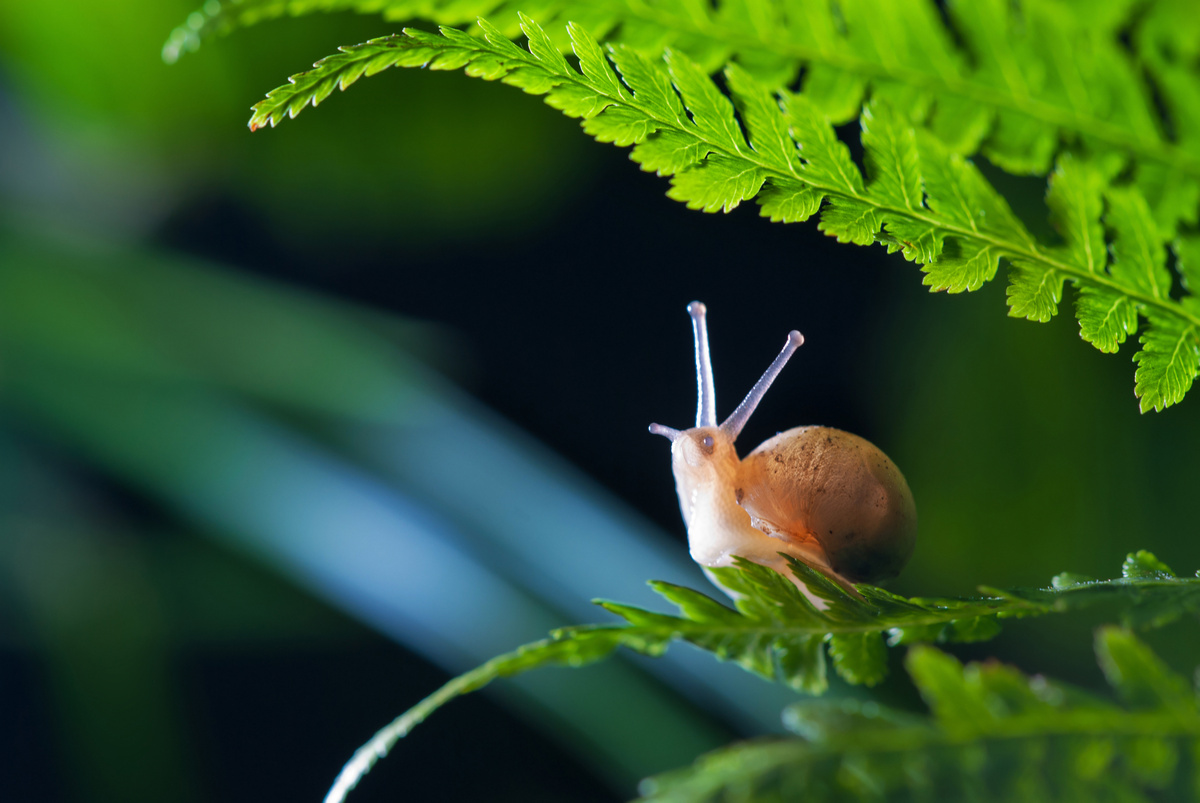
point(828, 498)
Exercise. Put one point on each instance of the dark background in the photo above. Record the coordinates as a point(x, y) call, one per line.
point(146, 655)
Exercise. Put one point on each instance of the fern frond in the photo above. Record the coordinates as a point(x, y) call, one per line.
point(1020, 79)
point(919, 197)
point(776, 632)
point(994, 734)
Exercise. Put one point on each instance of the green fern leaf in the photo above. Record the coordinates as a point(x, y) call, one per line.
point(918, 197)
point(994, 734)
point(760, 109)
point(860, 658)
point(1140, 677)
point(1034, 291)
point(1167, 363)
point(711, 111)
point(651, 85)
point(893, 160)
point(1076, 203)
point(540, 46)
point(1139, 256)
point(1075, 197)
point(964, 201)
point(786, 201)
point(963, 265)
point(775, 631)
point(1106, 317)
point(719, 185)
point(592, 62)
point(669, 153)
point(837, 93)
point(957, 190)
point(850, 221)
point(952, 696)
point(1143, 565)
point(1019, 79)
point(1173, 196)
point(827, 161)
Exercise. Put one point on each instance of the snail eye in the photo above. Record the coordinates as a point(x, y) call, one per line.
point(707, 442)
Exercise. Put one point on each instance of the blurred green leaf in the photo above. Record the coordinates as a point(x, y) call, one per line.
point(860, 658)
point(1140, 677)
point(994, 734)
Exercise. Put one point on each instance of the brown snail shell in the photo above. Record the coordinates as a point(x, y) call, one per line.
point(838, 489)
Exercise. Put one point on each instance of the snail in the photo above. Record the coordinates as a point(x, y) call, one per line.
point(826, 497)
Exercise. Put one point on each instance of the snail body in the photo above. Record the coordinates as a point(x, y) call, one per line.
point(826, 497)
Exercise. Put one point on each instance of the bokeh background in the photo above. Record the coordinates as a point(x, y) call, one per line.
point(296, 425)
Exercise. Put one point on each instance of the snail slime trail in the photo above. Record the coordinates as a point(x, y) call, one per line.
point(826, 497)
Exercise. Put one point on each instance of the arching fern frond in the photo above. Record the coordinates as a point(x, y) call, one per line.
point(1020, 79)
point(918, 197)
point(994, 734)
point(774, 631)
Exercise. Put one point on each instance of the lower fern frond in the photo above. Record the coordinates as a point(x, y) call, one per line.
point(776, 632)
point(994, 734)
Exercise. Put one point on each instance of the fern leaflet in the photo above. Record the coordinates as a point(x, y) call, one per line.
point(920, 198)
point(994, 734)
point(775, 632)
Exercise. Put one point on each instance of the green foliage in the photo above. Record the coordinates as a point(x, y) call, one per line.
point(1018, 78)
point(1102, 99)
point(994, 734)
point(775, 631)
point(919, 196)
